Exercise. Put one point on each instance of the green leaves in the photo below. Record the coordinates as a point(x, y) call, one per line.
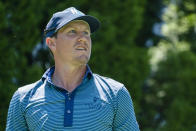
point(173, 73)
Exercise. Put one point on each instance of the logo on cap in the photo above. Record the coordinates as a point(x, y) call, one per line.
point(74, 11)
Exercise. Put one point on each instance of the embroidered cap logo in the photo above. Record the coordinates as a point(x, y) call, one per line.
point(74, 11)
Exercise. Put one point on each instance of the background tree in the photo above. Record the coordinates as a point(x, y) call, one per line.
point(171, 87)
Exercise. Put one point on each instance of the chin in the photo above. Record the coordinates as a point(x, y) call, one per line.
point(83, 60)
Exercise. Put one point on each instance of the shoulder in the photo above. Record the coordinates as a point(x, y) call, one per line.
point(109, 83)
point(26, 90)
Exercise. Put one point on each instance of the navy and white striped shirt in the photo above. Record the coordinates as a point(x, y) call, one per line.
point(97, 104)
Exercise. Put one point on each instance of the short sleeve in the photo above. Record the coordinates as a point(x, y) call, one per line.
point(125, 119)
point(15, 118)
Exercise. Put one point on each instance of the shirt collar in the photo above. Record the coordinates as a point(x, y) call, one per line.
point(49, 72)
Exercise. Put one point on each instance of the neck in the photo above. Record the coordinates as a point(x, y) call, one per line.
point(68, 77)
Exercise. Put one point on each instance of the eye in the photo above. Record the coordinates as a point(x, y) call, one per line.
point(86, 32)
point(72, 31)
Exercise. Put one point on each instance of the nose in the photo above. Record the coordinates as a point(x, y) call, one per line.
point(82, 37)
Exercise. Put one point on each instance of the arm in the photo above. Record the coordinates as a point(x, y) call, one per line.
point(125, 119)
point(15, 119)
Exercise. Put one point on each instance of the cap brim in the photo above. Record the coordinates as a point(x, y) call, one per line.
point(92, 21)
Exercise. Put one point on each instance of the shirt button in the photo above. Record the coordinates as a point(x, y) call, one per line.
point(68, 111)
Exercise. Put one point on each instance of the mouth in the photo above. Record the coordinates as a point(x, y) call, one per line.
point(81, 48)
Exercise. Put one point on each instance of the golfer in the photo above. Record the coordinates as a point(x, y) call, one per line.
point(69, 96)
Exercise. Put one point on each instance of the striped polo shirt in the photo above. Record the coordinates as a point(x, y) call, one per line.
point(97, 104)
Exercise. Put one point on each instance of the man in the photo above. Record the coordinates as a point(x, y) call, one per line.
point(69, 96)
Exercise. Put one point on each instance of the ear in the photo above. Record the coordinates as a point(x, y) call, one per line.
point(51, 43)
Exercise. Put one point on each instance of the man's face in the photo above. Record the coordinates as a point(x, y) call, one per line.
point(73, 43)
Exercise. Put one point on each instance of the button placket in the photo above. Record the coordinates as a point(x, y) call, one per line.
point(68, 113)
point(68, 95)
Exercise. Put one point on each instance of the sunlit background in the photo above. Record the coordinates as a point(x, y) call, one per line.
point(149, 45)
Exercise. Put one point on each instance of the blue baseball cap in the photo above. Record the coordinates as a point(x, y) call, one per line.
point(62, 18)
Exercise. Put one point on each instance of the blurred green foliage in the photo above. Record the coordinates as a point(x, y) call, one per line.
point(170, 89)
point(163, 96)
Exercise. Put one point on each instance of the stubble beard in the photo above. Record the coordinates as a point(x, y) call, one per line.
point(83, 59)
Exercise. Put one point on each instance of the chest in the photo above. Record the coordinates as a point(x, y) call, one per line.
point(59, 112)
